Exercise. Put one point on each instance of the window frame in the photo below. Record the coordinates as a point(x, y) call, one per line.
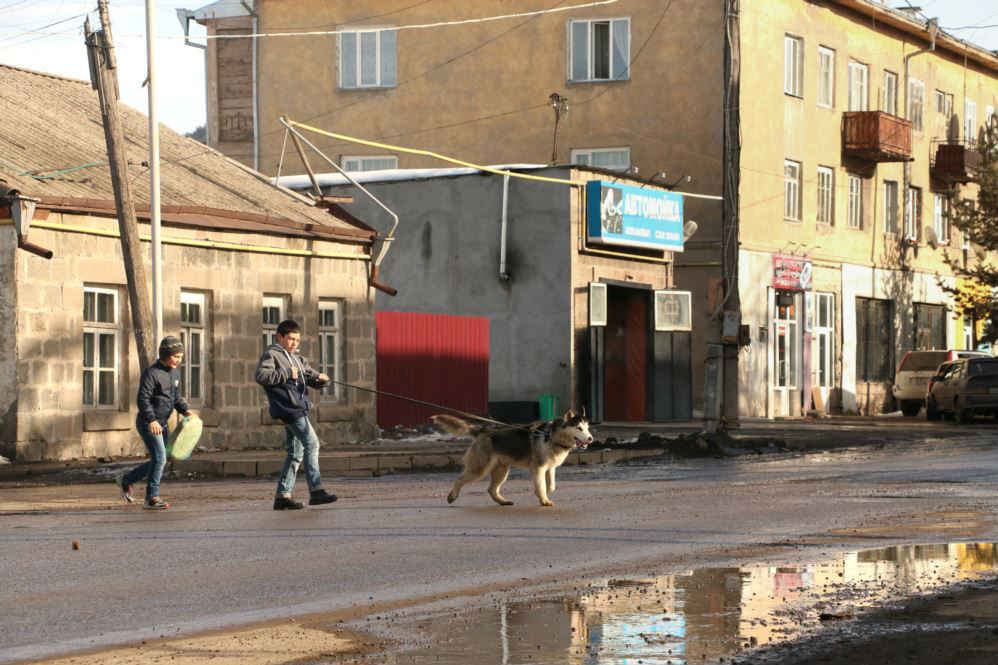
point(826, 300)
point(358, 54)
point(590, 46)
point(890, 102)
point(334, 391)
point(828, 190)
point(269, 328)
point(940, 218)
point(857, 66)
point(345, 162)
point(792, 191)
point(870, 339)
point(855, 202)
point(97, 329)
point(916, 104)
point(829, 53)
point(969, 120)
point(944, 103)
point(187, 330)
point(913, 213)
point(793, 66)
point(574, 154)
point(891, 221)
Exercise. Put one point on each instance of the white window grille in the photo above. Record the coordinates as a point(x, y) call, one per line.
point(101, 349)
point(826, 195)
point(368, 58)
point(913, 213)
point(614, 159)
point(369, 162)
point(916, 103)
point(891, 206)
point(599, 50)
point(858, 88)
point(273, 314)
point(597, 304)
point(793, 66)
point(672, 310)
point(791, 182)
point(855, 202)
point(331, 346)
point(193, 315)
point(969, 120)
point(890, 100)
point(940, 218)
point(826, 77)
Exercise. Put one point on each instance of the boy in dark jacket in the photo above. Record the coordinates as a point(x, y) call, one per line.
point(158, 396)
point(286, 376)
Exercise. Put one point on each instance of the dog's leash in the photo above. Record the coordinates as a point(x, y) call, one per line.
point(463, 414)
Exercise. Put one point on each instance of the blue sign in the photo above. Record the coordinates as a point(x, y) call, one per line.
point(633, 216)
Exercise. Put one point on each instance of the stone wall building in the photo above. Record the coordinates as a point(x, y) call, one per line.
point(239, 255)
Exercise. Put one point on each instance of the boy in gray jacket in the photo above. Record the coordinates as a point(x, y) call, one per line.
point(286, 377)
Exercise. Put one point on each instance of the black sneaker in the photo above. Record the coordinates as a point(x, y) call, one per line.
point(319, 497)
point(287, 503)
point(126, 489)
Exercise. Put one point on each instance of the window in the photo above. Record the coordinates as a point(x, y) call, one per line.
point(672, 310)
point(989, 113)
point(786, 340)
point(969, 120)
point(367, 59)
point(616, 159)
point(370, 163)
point(793, 66)
point(101, 329)
point(890, 101)
point(940, 218)
point(930, 327)
point(857, 86)
point(824, 335)
point(826, 77)
point(791, 189)
point(600, 50)
point(944, 104)
point(192, 327)
point(855, 202)
point(874, 340)
point(913, 213)
point(273, 314)
point(890, 206)
point(826, 195)
point(330, 346)
point(916, 103)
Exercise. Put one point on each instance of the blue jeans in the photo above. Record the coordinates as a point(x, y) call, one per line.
point(152, 470)
point(302, 443)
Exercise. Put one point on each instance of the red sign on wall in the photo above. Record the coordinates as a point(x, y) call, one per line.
point(791, 273)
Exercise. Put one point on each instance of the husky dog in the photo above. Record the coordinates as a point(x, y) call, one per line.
point(540, 448)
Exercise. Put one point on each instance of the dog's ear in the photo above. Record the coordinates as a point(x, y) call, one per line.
point(568, 415)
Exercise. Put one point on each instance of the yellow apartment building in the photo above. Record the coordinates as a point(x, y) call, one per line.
point(836, 132)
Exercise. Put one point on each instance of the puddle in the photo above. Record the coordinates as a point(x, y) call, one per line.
point(704, 616)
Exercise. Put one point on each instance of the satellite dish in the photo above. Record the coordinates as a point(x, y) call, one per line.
point(931, 237)
point(689, 228)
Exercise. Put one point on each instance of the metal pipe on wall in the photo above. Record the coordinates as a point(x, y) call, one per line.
point(154, 184)
point(503, 275)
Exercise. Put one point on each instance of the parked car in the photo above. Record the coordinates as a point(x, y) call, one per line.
point(966, 387)
point(913, 374)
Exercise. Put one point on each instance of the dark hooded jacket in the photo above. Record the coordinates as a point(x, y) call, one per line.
point(159, 394)
point(288, 397)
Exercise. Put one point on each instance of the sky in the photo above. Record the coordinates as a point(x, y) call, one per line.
point(27, 40)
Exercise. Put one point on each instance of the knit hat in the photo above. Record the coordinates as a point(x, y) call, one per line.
point(169, 346)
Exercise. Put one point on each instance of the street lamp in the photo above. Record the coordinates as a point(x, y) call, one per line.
point(560, 106)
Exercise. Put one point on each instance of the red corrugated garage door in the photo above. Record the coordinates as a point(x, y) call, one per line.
point(436, 358)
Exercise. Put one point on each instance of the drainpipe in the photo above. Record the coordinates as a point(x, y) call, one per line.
point(503, 275)
point(933, 28)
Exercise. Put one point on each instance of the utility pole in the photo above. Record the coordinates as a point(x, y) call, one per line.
point(104, 78)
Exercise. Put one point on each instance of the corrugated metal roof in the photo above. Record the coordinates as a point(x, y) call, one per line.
point(51, 126)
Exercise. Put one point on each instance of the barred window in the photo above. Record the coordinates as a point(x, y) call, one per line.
point(101, 347)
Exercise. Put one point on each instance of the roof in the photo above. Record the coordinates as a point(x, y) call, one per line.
point(302, 182)
point(52, 147)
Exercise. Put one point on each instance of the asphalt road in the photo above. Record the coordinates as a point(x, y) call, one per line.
point(221, 557)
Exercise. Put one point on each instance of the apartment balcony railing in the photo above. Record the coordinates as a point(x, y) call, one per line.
point(954, 161)
point(876, 136)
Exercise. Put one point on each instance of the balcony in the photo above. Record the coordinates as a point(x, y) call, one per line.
point(954, 161)
point(876, 136)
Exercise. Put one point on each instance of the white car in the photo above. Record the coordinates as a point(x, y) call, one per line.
point(914, 372)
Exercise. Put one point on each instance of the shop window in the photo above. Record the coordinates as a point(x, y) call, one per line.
point(874, 340)
point(370, 163)
point(930, 327)
point(614, 159)
point(331, 346)
point(367, 59)
point(599, 50)
point(101, 347)
point(890, 99)
point(193, 315)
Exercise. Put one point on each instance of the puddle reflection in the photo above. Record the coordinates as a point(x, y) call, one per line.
point(698, 617)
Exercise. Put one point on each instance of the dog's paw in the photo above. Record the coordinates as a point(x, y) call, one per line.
point(547, 504)
point(505, 503)
point(451, 498)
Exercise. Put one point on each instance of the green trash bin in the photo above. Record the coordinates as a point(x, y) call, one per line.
point(548, 406)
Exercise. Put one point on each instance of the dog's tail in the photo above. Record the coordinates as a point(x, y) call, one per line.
point(455, 426)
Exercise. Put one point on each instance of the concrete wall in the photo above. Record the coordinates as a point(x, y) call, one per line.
point(52, 423)
point(8, 347)
point(445, 260)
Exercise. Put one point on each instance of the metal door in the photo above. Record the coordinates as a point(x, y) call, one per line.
point(671, 378)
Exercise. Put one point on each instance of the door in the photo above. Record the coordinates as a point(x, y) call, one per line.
point(625, 354)
point(786, 350)
point(823, 344)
